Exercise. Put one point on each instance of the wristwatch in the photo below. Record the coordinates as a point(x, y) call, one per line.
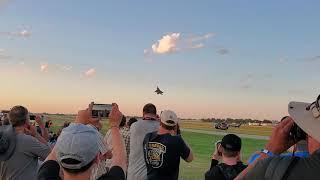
point(267, 152)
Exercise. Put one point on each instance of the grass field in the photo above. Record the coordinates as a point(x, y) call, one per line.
point(201, 144)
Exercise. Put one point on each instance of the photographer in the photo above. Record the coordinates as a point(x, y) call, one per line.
point(228, 152)
point(163, 149)
point(77, 151)
point(21, 146)
point(272, 166)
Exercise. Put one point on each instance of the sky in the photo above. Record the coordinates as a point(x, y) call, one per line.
point(212, 58)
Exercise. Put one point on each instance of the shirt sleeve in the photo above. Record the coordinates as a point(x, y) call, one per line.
point(37, 148)
point(49, 171)
point(184, 149)
point(115, 173)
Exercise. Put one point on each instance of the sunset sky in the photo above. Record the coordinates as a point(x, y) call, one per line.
point(212, 58)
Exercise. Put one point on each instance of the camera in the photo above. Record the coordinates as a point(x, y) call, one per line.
point(101, 110)
point(297, 134)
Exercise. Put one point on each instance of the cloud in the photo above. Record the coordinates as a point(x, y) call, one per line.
point(23, 33)
point(201, 38)
point(44, 67)
point(66, 68)
point(312, 59)
point(90, 72)
point(3, 55)
point(176, 42)
point(167, 44)
point(197, 46)
point(223, 51)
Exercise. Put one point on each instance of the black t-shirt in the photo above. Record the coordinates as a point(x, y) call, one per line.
point(223, 171)
point(162, 155)
point(50, 171)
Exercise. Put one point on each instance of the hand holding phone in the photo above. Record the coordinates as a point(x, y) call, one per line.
point(217, 153)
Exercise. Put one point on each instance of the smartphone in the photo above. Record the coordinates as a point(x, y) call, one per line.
point(101, 110)
point(217, 144)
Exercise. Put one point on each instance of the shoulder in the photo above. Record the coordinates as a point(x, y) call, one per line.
point(213, 173)
point(115, 173)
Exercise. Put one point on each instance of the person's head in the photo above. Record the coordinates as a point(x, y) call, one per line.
point(18, 116)
point(168, 120)
point(307, 117)
point(5, 120)
point(150, 111)
point(77, 149)
point(231, 146)
point(131, 121)
point(123, 121)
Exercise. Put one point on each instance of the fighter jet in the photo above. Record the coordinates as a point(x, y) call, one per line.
point(158, 91)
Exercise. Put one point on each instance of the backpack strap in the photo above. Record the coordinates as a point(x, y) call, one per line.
point(293, 162)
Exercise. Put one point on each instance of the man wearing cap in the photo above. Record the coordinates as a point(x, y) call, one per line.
point(228, 151)
point(272, 166)
point(137, 169)
point(21, 146)
point(163, 149)
point(77, 151)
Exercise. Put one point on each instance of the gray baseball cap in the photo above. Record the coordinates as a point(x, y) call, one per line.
point(78, 142)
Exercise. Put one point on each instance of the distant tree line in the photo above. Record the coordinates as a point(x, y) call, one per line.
point(242, 121)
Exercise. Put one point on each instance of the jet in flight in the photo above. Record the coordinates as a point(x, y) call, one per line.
point(158, 91)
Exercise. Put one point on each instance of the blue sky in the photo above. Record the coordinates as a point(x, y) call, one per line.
point(271, 55)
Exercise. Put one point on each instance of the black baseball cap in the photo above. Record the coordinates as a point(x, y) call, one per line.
point(231, 142)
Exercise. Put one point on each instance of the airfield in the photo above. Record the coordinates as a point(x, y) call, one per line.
point(201, 136)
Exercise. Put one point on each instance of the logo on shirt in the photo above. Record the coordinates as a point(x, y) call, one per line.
point(154, 154)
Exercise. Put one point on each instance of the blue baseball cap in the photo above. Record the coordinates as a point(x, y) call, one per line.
point(77, 142)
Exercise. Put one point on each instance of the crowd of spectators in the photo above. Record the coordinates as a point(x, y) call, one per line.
point(150, 148)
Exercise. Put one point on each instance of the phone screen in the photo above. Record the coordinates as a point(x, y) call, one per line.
point(101, 110)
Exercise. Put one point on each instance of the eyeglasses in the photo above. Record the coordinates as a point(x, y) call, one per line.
point(315, 108)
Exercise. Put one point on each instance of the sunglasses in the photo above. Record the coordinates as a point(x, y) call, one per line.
point(315, 108)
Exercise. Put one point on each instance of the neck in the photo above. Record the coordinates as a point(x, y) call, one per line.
point(230, 160)
point(165, 131)
point(79, 176)
point(149, 117)
point(19, 129)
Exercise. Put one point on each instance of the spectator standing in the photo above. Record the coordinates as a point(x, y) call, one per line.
point(228, 152)
point(272, 166)
point(137, 169)
point(77, 151)
point(163, 149)
point(21, 161)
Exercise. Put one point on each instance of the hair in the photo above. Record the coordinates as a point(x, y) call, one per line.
point(5, 121)
point(167, 127)
point(76, 171)
point(229, 153)
point(18, 116)
point(150, 109)
point(123, 121)
point(131, 121)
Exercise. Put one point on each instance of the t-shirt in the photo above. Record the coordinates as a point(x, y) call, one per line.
point(23, 164)
point(50, 171)
point(162, 155)
point(306, 168)
point(223, 171)
point(137, 169)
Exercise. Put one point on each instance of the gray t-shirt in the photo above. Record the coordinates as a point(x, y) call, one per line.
point(271, 168)
point(137, 169)
point(23, 164)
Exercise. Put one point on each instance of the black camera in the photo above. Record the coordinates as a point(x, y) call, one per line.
point(297, 134)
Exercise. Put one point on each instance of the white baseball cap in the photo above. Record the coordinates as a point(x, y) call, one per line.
point(307, 116)
point(169, 118)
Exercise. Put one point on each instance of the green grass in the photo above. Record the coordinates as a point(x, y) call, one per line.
point(201, 144)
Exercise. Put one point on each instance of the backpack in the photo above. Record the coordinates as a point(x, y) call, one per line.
point(279, 168)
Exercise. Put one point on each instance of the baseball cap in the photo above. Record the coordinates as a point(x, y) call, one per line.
point(77, 142)
point(231, 142)
point(307, 116)
point(169, 118)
